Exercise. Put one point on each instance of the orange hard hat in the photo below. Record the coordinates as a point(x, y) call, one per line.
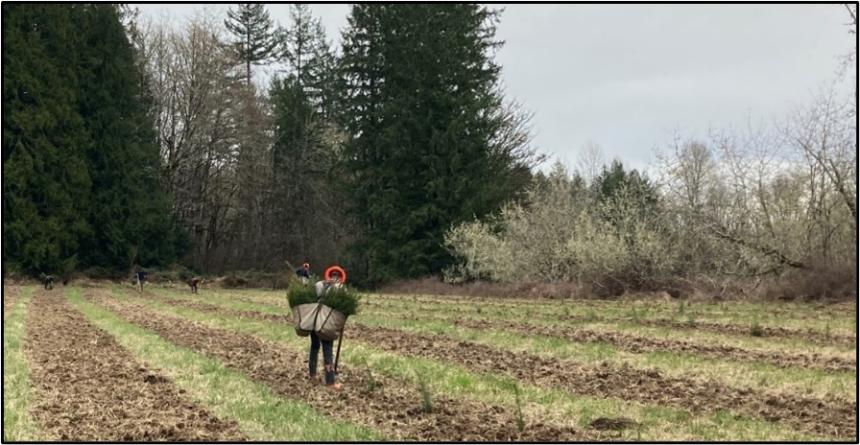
point(332, 270)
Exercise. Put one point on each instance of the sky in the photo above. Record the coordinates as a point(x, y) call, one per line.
point(630, 77)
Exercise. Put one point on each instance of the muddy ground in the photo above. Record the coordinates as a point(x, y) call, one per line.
point(720, 328)
point(86, 387)
point(834, 418)
point(389, 405)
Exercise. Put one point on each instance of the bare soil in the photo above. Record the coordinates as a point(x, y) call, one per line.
point(835, 418)
point(86, 387)
point(386, 404)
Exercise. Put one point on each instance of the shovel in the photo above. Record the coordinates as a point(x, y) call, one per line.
point(339, 341)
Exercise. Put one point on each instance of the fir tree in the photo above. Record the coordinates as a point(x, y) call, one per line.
point(129, 207)
point(422, 106)
point(46, 183)
point(255, 36)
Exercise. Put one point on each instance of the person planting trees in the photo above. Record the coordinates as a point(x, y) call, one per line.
point(304, 273)
point(140, 275)
point(49, 282)
point(193, 282)
point(333, 280)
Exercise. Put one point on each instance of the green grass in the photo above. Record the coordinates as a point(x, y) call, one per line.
point(18, 424)
point(757, 375)
point(261, 414)
point(791, 315)
point(628, 326)
point(539, 404)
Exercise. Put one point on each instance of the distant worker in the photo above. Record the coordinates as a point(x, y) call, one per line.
point(334, 280)
point(140, 275)
point(49, 282)
point(193, 283)
point(304, 273)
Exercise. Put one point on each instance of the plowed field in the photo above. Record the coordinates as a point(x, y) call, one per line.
point(111, 364)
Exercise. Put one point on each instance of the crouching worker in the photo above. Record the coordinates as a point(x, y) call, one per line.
point(322, 288)
point(49, 282)
point(193, 284)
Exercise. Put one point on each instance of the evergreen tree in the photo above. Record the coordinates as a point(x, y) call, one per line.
point(81, 170)
point(255, 36)
point(423, 109)
point(46, 184)
point(615, 180)
point(128, 207)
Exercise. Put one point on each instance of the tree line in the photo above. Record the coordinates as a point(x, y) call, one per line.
point(131, 142)
point(135, 142)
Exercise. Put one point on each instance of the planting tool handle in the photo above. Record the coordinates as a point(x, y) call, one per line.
point(339, 341)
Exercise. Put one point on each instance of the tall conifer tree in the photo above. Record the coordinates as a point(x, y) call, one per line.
point(421, 104)
point(255, 36)
point(46, 183)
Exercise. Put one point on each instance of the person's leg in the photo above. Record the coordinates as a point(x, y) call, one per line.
point(328, 360)
point(312, 360)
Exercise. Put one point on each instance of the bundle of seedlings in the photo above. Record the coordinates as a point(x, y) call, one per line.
point(325, 316)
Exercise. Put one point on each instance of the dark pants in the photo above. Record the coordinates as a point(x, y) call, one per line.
point(328, 358)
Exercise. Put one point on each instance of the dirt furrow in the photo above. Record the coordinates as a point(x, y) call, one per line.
point(86, 387)
point(824, 417)
point(637, 344)
point(387, 404)
point(719, 328)
point(626, 342)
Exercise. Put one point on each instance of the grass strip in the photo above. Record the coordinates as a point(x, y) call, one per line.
point(626, 326)
point(795, 315)
point(658, 422)
point(18, 424)
point(261, 414)
point(741, 374)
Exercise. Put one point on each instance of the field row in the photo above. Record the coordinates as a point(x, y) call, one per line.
point(231, 368)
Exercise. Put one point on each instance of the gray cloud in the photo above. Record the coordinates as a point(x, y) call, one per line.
point(628, 76)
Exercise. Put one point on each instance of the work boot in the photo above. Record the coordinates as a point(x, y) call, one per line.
point(335, 387)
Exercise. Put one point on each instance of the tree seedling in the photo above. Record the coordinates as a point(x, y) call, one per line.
point(756, 330)
point(426, 396)
point(521, 423)
point(372, 383)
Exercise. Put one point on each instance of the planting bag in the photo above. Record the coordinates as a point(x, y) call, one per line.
point(319, 318)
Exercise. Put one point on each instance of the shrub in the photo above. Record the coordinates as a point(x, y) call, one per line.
point(563, 234)
point(301, 294)
point(344, 300)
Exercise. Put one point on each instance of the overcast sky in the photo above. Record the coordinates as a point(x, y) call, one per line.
point(629, 76)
